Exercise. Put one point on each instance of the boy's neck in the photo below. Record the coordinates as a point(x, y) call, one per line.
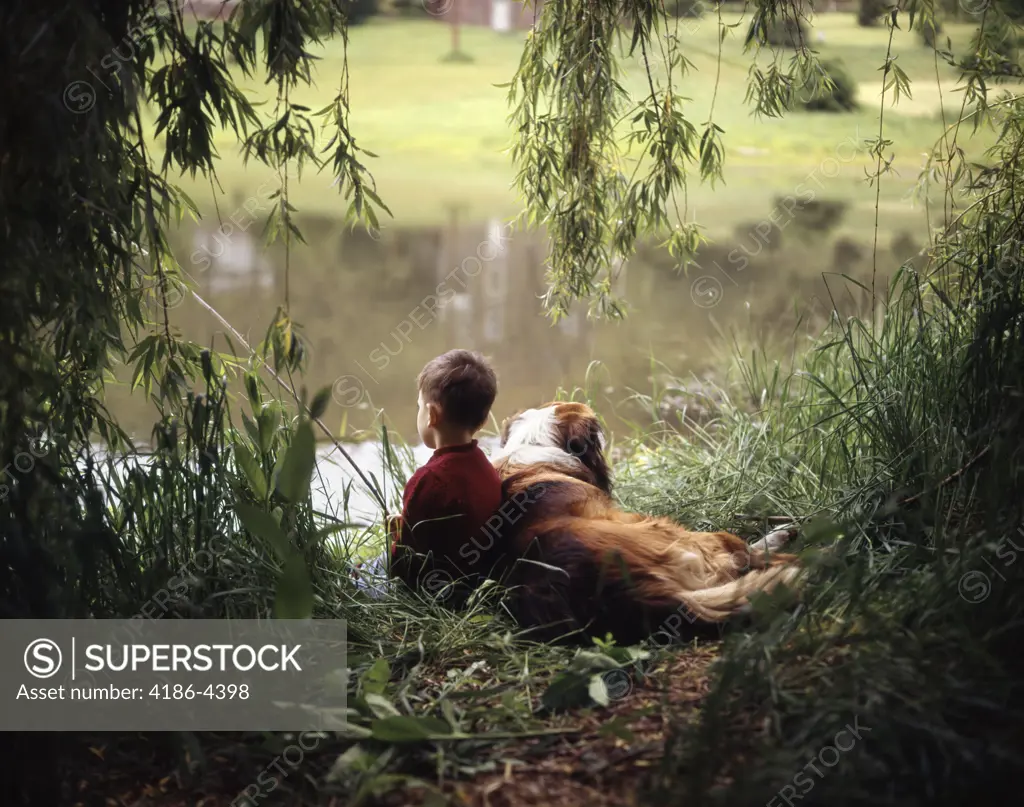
point(452, 438)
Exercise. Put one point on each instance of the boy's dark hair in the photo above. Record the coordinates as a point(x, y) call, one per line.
point(463, 384)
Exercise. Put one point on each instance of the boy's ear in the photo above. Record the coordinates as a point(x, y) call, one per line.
point(433, 415)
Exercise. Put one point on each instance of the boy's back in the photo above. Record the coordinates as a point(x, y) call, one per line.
point(447, 502)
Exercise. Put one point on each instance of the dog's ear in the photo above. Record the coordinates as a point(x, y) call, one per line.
point(506, 426)
point(584, 439)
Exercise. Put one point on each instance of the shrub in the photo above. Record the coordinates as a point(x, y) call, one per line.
point(870, 12)
point(402, 8)
point(759, 234)
point(846, 254)
point(787, 33)
point(905, 248)
point(817, 217)
point(361, 10)
point(841, 97)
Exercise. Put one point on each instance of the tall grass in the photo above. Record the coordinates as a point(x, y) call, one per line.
point(897, 440)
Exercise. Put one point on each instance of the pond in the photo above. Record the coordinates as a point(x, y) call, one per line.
point(374, 310)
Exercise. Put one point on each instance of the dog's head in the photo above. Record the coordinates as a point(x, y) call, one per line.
point(572, 428)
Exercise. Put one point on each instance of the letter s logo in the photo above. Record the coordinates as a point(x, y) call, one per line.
point(43, 658)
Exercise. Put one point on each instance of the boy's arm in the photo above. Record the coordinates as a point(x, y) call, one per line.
point(423, 531)
point(406, 542)
point(416, 495)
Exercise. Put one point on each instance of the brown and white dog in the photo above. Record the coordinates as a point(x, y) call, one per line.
point(575, 563)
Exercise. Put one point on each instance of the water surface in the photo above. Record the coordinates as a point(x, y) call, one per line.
point(374, 310)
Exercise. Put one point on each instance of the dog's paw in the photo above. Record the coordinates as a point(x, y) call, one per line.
point(775, 540)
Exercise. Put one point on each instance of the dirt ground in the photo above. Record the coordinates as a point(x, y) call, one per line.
point(598, 762)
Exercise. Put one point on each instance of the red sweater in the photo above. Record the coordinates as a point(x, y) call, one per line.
point(447, 502)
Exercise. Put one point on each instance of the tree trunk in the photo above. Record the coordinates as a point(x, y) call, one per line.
point(455, 26)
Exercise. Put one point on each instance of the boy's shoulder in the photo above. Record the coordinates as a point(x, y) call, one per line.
point(469, 458)
point(470, 452)
point(450, 474)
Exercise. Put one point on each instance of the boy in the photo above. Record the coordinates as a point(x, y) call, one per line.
point(447, 502)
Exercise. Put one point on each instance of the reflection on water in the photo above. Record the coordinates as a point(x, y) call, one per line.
point(373, 310)
point(237, 263)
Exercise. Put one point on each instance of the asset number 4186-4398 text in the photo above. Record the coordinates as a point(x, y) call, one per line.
point(220, 692)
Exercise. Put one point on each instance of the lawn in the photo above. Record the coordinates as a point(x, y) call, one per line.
point(441, 128)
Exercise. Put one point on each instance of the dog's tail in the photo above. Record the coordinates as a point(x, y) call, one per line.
point(730, 599)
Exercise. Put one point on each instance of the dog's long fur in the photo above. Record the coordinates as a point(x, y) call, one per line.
point(577, 564)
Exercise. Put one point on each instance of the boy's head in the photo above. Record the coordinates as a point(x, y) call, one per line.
point(456, 392)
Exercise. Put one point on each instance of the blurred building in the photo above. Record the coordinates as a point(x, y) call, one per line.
point(502, 15)
point(209, 9)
